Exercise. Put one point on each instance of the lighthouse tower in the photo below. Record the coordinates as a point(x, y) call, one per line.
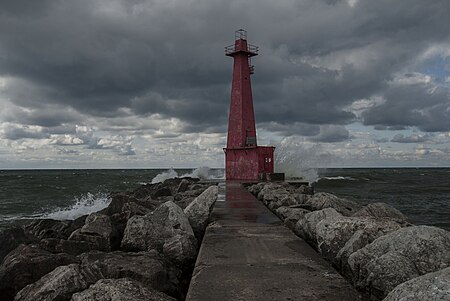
point(245, 160)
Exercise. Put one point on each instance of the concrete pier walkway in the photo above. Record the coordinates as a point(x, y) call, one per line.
point(248, 254)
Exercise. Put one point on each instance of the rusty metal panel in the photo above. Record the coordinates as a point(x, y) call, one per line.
point(242, 164)
point(266, 159)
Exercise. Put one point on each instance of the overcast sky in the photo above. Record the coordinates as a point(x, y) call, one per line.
point(145, 84)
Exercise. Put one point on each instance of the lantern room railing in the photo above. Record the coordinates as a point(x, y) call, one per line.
point(251, 49)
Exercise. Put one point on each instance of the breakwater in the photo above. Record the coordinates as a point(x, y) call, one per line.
point(143, 246)
point(373, 246)
point(248, 254)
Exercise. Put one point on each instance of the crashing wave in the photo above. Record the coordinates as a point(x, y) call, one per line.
point(203, 173)
point(86, 204)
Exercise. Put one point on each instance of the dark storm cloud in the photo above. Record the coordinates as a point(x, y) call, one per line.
point(420, 105)
point(291, 129)
point(50, 117)
point(330, 133)
point(99, 57)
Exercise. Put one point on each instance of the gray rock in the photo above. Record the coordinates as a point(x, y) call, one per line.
point(381, 210)
point(359, 239)
point(119, 290)
point(183, 186)
point(305, 189)
point(431, 287)
point(25, 265)
point(399, 256)
point(199, 209)
point(146, 267)
point(324, 200)
point(272, 192)
point(167, 188)
point(98, 231)
point(154, 230)
point(332, 234)
point(11, 238)
point(121, 202)
point(48, 228)
point(306, 226)
point(302, 198)
point(122, 208)
point(72, 247)
point(283, 212)
point(290, 215)
point(197, 187)
point(163, 191)
point(255, 189)
point(60, 283)
point(285, 200)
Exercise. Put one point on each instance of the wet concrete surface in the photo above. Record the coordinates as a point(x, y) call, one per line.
point(248, 254)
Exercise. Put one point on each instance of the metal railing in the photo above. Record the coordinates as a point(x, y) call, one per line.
point(250, 48)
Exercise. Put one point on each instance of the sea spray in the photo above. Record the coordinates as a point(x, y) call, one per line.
point(83, 205)
point(298, 158)
point(203, 173)
point(169, 174)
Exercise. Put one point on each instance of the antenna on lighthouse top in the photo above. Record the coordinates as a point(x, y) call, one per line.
point(240, 34)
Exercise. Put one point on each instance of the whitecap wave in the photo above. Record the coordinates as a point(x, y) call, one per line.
point(202, 173)
point(169, 174)
point(339, 178)
point(83, 205)
point(205, 173)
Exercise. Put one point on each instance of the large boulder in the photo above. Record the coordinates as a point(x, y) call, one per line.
point(288, 200)
point(199, 209)
point(119, 290)
point(25, 265)
point(324, 200)
point(306, 226)
point(291, 215)
point(146, 267)
point(11, 238)
point(381, 211)
point(358, 240)
point(72, 247)
point(272, 193)
point(61, 283)
point(159, 230)
point(121, 202)
point(431, 287)
point(333, 234)
point(167, 188)
point(161, 192)
point(302, 198)
point(255, 189)
point(48, 228)
point(305, 189)
point(398, 257)
point(183, 186)
point(97, 230)
point(123, 207)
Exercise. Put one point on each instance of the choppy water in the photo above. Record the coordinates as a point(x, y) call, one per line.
point(422, 194)
point(68, 194)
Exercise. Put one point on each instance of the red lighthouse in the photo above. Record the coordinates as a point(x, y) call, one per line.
point(245, 160)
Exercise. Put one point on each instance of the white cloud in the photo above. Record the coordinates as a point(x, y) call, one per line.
point(412, 78)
